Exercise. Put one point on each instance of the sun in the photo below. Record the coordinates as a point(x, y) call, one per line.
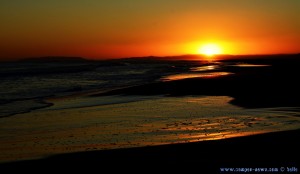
point(209, 49)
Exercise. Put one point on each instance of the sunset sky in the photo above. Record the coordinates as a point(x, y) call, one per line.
point(128, 28)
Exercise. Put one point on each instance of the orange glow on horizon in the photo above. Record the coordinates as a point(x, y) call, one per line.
point(210, 49)
point(106, 29)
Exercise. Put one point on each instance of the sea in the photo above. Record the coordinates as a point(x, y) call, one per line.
point(25, 83)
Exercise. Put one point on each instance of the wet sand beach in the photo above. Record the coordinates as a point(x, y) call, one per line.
point(207, 122)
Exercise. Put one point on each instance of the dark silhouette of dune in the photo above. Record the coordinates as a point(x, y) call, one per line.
point(50, 59)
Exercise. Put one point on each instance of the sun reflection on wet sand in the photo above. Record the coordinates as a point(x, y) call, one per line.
point(194, 75)
point(205, 68)
point(249, 65)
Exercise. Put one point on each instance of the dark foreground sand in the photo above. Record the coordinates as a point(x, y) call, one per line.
point(274, 150)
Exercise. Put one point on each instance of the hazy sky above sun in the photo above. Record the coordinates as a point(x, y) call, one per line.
point(125, 28)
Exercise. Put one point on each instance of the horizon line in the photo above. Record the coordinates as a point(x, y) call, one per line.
point(146, 56)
